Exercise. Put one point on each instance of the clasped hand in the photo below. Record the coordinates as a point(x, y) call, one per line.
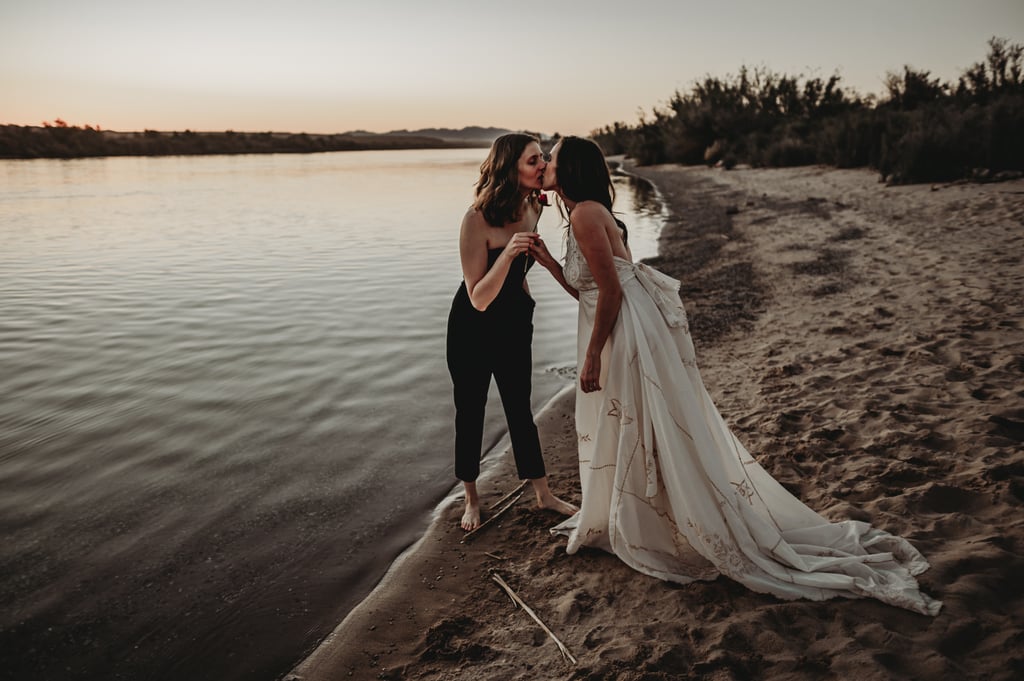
point(540, 253)
point(521, 242)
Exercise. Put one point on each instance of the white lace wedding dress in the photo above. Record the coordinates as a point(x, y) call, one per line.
point(668, 488)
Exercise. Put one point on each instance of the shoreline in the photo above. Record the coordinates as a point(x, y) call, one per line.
point(866, 344)
point(374, 619)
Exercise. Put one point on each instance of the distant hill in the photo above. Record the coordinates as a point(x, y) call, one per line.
point(469, 134)
point(473, 135)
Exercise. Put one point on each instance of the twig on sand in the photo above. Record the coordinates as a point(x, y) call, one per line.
point(521, 487)
point(494, 556)
point(516, 599)
point(497, 513)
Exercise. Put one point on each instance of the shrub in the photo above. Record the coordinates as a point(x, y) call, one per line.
point(789, 151)
point(921, 130)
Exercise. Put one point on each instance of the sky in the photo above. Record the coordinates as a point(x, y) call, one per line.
point(566, 66)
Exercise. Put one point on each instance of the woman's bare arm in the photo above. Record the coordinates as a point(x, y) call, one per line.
point(589, 227)
point(483, 285)
point(542, 255)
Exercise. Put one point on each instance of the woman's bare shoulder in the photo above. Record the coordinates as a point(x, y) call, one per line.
point(588, 216)
point(592, 211)
point(473, 220)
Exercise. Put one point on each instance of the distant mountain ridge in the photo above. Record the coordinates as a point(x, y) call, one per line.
point(472, 133)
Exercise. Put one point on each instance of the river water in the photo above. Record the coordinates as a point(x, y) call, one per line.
point(224, 405)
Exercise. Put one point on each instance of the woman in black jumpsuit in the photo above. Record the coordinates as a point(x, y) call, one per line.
point(490, 327)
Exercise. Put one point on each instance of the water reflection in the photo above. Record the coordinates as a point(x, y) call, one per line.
point(644, 194)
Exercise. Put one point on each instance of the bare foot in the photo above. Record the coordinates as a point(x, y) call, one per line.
point(471, 518)
point(553, 503)
point(545, 499)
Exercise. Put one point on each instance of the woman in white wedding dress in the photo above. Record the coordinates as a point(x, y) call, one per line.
point(666, 485)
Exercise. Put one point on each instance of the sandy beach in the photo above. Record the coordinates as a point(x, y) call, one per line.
point(866, 343)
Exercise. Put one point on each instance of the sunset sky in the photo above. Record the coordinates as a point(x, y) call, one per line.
point(336, 65)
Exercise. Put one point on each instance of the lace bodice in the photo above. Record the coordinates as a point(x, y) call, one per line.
point(574, 264)
point(577, 272)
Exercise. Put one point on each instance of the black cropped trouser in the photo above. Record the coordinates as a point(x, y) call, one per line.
point(476, 351)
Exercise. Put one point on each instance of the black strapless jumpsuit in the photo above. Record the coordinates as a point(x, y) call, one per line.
point(494, 342)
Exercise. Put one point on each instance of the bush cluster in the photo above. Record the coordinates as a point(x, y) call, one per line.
point(919, 130)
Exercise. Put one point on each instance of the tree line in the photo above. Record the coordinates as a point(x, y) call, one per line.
point(919, 130)
point(60, 140)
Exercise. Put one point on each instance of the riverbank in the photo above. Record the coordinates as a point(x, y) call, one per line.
point(866, 344)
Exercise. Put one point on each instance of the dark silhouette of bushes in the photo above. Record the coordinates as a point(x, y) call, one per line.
point(919, 130)
point(60, 140)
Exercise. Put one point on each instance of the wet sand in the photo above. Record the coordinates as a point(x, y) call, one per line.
point(867, 344)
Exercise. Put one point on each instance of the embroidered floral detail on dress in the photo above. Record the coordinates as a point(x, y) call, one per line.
point(583, 437)
point(743, 489)
point(729, 560)
point(685, 561)
point(618, 411)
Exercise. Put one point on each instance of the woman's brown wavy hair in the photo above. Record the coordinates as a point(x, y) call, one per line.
point(498, 195)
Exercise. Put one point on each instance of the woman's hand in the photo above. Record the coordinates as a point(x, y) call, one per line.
point(519, 243)
point(590, 374)
point(540, 253)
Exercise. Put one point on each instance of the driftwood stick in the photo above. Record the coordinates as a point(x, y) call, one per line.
point(515, 598)
point(502, 500)
point(493, 517)
point(494, 556)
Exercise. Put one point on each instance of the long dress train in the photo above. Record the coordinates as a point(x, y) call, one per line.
point(670, 490)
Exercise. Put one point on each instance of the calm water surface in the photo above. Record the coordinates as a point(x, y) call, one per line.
point(224, 405)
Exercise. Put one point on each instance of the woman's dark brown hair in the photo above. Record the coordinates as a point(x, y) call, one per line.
point(498, 195)
point(583, 174)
